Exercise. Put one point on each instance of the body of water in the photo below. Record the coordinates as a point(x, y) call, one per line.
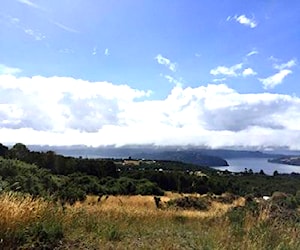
point(256, 164)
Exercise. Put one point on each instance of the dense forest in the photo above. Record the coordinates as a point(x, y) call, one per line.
point(69, 179)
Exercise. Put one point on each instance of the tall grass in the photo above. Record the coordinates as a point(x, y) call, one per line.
point(134, 222)
point(28, 222)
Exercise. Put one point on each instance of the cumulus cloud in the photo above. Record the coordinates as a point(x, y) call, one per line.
point(65, 111)
point(242, 19)
point(248, 72)
point(165, 61)
point(57, 103)
point(227, 71)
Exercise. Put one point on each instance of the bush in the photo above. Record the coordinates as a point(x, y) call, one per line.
point(189, 202)
point(71, 193)
point(41, 235)
point(145, 187)
point(283, 200)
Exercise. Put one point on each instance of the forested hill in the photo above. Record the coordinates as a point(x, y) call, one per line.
point(289, 160)
point(191, 156)
point(161, 152)
point(187, 156)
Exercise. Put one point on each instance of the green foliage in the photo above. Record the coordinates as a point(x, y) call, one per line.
point(70, 193)
point(236, 217)
point(113, 233)
point(297, 197)
point(283, 200)
point(145, 187)
point(189, 202)
point(41, 235)
point(3, 150)
point(47, 174)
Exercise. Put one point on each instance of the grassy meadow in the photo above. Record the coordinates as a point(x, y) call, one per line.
point(134, 222)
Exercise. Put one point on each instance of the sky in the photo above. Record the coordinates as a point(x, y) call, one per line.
point(209, 73)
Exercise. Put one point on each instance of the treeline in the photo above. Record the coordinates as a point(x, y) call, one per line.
point(217, 182)
point(59, 164)
point(69, 179)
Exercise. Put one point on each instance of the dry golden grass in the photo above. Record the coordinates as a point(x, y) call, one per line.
point(144, 206)
point(134, 222)
point(16, 209)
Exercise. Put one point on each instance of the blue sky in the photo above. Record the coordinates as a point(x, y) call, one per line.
point(207, 73)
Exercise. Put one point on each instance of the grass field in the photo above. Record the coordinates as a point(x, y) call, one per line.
point(134, 222)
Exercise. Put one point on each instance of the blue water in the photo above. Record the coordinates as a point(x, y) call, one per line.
point(257, 164)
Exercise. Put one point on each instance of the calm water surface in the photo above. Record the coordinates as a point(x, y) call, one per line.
point(256, 164)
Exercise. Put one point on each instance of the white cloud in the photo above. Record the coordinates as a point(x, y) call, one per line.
point(220, 80)
point(57, 103)
point(242, 19)
point(94, 52)
point(227, 71)
point(287, 65)
point(65, 111)
point(251, 53)
point(272, 81)
point(29, 3)
point(66, 51)
point(64, 27)
point(106, 52)
point(173, 80)
point(16, 22)
point(5, 70)
point(276, 79)
point(165, 61)
point(13, 20)
point(36, 35)
point(248, 72)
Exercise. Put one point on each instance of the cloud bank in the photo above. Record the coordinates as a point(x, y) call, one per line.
point(66, 111)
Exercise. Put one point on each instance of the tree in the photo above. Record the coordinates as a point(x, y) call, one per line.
point(19, 151)
point(3, 150)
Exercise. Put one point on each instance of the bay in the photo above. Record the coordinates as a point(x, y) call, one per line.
point(257, 164)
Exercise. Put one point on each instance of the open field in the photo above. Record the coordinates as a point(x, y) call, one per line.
point(134, 222)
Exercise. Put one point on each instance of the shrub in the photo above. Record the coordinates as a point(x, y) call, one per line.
point(145, 187)
point(189, 202)
point(71, 193)
point(283, 200)
point(41, 235)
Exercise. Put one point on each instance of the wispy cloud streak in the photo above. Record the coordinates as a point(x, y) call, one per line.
point(30, 4)
point(64, 27)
